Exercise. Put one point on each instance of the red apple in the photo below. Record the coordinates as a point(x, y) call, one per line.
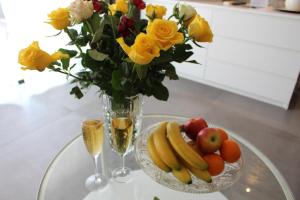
point(209, 140)
point(223, 134)
point(193, 126)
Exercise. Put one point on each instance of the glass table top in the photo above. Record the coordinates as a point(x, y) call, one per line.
point(65, 177)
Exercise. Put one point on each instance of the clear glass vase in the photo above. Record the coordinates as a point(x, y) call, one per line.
point(123, 123)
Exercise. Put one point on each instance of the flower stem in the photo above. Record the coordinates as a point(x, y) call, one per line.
point(171, 16)
point(89, 27)
point(69, 74)
point(112, 25)
point(69, 34)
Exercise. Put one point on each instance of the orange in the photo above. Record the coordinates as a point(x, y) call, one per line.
point(230, 151)
point(215, 164)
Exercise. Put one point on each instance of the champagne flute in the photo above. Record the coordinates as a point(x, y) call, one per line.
point(121, 139)
point(93, 136)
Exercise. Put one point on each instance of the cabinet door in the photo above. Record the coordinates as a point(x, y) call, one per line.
point(260, 85)
point(267, 59)
point(278, 31)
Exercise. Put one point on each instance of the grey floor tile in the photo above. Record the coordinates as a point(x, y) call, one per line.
point(24, 161)
point(60, 96)
point(273, 116)
point(20, 120)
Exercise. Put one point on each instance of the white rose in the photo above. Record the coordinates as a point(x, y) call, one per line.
point(186, 11)
point(81, 10)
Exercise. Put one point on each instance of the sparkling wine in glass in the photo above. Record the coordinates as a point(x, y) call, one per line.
point(93, 136)
point(121, 140)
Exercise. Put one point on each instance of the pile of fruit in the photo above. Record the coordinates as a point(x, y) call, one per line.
point(203, 156)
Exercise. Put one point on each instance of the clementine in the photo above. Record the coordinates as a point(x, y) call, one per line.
point(215, 164)
point(230, 151)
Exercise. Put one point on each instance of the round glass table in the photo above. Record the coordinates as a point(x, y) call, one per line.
point(65, 177)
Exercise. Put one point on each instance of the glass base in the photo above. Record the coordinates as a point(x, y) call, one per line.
point(122, 175)
point(93, 183)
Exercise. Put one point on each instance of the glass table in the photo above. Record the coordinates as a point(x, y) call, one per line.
point(65, 177)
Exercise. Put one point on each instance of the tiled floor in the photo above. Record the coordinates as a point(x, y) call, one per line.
point(34, 129)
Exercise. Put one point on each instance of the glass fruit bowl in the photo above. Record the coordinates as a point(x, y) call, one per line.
point(227, 178)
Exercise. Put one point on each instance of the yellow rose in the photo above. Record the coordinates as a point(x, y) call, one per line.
point(165, 33)
point(59, 18)
point(34, 58)
point(142, 51)
point(199, 30)
point(155, 11)
point(120, 5)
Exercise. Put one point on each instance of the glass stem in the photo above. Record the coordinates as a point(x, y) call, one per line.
point(96, 167)
point(123, 163)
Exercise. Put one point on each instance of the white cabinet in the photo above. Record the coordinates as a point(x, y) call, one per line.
point(255, 52)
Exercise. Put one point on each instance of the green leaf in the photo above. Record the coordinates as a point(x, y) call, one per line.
point(192, 61)
point(55, 34)
point(125, 68)
point(72, 66)
point(89, 62)
point(99, 31)
point(171, 72)
point(65, 63)
point(81, 41)
point(55, 63)
point(83, 31)
point(73, 33)
point(156, 198)
point(187, 46)
point(95, 21)
point(118, 98)
point(181, 54)
point(198, 45)
point(96, 55)
point(160, 91)
point(116, 80)
point(71, 53)
point(77, 92)
point(165, 57)
point(141, 70)
point(140, 25)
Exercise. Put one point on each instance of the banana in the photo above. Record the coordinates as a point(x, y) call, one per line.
point(163, 147)
point(201, 174)
point(183, 175)
point(182, 148)
point(154, 155)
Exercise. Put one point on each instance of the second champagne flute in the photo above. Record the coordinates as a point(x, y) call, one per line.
point(121, 139)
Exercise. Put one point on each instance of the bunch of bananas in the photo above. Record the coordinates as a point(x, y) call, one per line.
point(170, 152)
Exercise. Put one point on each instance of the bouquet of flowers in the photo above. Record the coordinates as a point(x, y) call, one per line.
point(120, 53)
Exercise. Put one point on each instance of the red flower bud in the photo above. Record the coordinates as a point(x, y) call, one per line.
point(125, 25)
point(97, 5)
point(140, 4)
